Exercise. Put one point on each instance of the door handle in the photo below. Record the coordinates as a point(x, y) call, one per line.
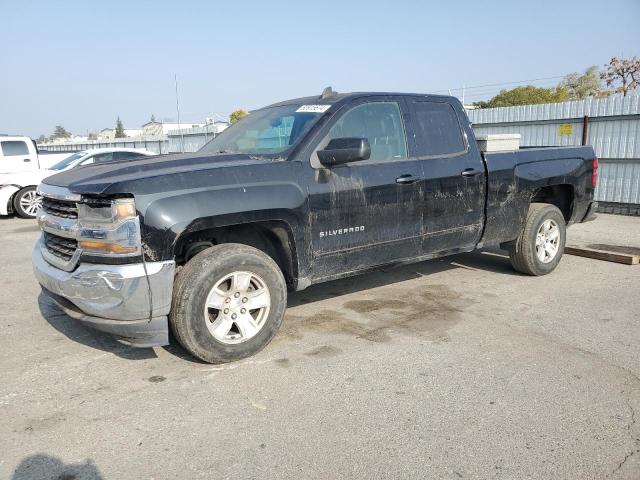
point(26, 160)
point(407, 178)
point(470, 172)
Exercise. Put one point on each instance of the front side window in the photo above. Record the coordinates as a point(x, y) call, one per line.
point(380, 123)
point(12, 148)
point(438, 132)
point(271, 130)
point(126, 155)
point(98, 157)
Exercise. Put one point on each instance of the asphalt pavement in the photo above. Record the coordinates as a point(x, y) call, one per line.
point(452, 368)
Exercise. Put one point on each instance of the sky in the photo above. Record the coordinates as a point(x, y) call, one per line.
point(81, 64)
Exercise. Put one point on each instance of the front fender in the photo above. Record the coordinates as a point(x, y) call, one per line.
point(166, 219)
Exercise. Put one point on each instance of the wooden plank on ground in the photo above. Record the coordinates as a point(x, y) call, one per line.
point(624, 258)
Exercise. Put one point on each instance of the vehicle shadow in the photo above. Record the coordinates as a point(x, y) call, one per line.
point(27, 228)
point(46, 467)
point(86, 336)
point(493, 260)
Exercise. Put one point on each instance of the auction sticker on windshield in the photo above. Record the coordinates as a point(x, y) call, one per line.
point(313, 108)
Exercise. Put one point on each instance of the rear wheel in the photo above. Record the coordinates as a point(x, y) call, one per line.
point(229, 302)
point(539, 248)
point(26, 202)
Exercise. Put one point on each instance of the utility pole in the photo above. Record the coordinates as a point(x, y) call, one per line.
point(175, 76)
point(463, 91)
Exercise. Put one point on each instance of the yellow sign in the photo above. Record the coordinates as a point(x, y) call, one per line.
point(565, 129)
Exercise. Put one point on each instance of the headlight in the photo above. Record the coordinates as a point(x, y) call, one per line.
point(109, 228)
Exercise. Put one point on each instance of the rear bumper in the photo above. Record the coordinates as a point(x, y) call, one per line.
point(118, 299)
point(591, 212)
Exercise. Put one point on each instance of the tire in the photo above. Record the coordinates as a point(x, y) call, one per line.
point(195, 326)
point(524, 254)
point(23, 202)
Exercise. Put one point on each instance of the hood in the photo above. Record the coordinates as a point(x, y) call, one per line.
point(117, 176)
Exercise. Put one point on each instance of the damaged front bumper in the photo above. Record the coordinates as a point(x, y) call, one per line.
point(124, 300)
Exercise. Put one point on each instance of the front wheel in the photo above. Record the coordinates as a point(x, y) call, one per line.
point(539, 247)
point(228, 303)
point(26, 202)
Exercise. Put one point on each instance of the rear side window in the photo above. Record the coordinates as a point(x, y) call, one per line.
point(438, 131)
point(14, 147)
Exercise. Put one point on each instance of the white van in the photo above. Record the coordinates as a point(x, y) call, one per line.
point(18, 154)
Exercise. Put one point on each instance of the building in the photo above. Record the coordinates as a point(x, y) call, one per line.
point(107, 134)
point(133, 132)
point(162, 128)
point(220, 126)
point(110, 133)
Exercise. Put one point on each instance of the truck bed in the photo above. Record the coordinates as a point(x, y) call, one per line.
point(514, 177)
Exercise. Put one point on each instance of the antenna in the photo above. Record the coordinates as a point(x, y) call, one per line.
point(175, 77)
point(327, 93)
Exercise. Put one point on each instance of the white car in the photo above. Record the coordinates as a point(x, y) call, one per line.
point(18, 189)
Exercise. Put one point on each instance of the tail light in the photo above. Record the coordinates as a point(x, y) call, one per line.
point(594, 174)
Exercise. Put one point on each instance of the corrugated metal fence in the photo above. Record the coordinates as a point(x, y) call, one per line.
point(176, 141)
point(189, 139)
point(611, 125)
point(157, 144)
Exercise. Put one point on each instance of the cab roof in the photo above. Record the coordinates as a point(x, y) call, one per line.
point(334, 98)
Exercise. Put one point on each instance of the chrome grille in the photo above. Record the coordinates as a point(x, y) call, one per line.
point(61, 247)
point(60, 208)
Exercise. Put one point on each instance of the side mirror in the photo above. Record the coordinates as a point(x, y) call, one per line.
point(344, 150)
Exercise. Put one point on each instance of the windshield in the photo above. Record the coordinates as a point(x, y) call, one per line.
point(62, 164)
point(266, 131)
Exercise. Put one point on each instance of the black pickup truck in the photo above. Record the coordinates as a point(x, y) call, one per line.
point(296, 193)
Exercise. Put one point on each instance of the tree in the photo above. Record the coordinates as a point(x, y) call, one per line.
point(119, 129)
point(153, 118)
point(237, 115)
point(41, 139)
point(583, 86)
point(625, 74)
point(60, 132)
point(527, 95)
point(92, 136)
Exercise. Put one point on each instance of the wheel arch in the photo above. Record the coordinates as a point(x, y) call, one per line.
point(275, 237)
point(7, 194)
point(560, 195)
point(16, 195)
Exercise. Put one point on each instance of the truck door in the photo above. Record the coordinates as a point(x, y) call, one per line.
point(17, 156)
point(454, 176)
point(367, 212)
